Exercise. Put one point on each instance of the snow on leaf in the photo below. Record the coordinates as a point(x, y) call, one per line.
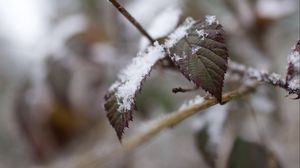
point(203, 53)
point(293, 71)
point(211, 19)
point(120, 100)
point(179, 33)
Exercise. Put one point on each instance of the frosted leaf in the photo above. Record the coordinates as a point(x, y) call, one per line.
point(195, 49)
point(132, 76)
point(120, 100)
point(201, 34)
point(177, 57)
point(203, 58)
point(179, 33)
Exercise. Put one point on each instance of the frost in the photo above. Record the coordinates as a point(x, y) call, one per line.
point(198, 99)
point(114, 86)
point(176, 57)
point(195, 49)
point(294, 83)
point(275, 78)
point(254, 73)
point(201, 34)
point(294, 60)
point(210, 19)
point(179, 33)
point(131, 77)
point(163, 24)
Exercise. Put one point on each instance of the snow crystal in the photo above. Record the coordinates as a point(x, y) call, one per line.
point(114, 86)
point(275, 78)
point(294, 59)
point(131, 77)
point(195, 49)
point(163, 24)
point(198, 99)
point(201, 34)
point(211, 19)
point(176, 57)
point(179, 33)
point(254, 73)
point(294, 83)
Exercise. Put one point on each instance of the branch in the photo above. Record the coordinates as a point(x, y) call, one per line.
point(91, 160)
point(132, 19)
point(261, 76)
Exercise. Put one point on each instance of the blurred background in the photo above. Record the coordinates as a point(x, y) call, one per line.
point(58, 58)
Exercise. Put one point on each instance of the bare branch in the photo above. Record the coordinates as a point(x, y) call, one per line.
point(261, 76)
point(132, 20)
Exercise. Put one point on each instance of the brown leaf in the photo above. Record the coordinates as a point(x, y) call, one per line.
point(201, 55)
point(121, 98)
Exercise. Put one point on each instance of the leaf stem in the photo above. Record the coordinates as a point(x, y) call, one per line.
point(132, 19)
point(183, 90)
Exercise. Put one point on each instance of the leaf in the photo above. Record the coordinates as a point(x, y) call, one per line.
point(117, 119)
point(201, 55)
point(121, 98)
point(204, 147)
point(293, 71)
point(247, 154)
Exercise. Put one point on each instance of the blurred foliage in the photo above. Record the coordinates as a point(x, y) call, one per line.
point(205, 147)
point(250, 154)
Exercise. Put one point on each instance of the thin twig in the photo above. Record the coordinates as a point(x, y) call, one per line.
point(257, 75)
point(91, 160)
point(132, 19)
